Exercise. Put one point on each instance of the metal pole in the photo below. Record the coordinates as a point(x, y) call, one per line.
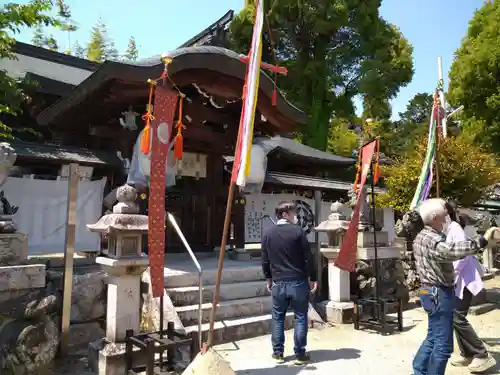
point(68, 257)
point(375, 246)
point(173, 222)
point(441, 94)
point(317, 216)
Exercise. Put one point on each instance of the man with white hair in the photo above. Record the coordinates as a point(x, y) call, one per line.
point(434, 262)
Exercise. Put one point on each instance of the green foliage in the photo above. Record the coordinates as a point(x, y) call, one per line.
point(334, 50)
point(474, 77)
point(79, 51)
point(13, 18)
point(131, 54)
point(467, 173)
point(341, 139)
point(101, 47)
point(418, 109)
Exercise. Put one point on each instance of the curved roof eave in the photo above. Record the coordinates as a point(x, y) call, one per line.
point(217, 59)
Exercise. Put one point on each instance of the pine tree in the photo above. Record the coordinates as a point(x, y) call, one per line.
point(131, 54)
point(111, 52)
point(67, 24)
point(41, 40)
point(79, 51)
point(51, 43)
point(38, 37)
point(96, 49)
point(101, 46)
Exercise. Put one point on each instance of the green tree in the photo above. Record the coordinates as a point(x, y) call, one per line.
point(101, 47)
point(13, 18)
point(474, 77)
point(342, 140)
point(96, 49)
point(334, 50)
point(132, 53)
point(67, 24)
point(79, 51)
point(418, 109)
point(38, 37)
point(467, 173)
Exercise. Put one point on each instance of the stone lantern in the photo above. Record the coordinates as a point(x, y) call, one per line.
point(338, 308)
point(124, 264)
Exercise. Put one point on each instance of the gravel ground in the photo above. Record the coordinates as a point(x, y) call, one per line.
point(339, 349)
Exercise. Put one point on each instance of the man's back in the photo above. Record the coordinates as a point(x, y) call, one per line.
point(286, 254)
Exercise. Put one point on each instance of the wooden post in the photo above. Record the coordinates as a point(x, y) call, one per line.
point(68, 256)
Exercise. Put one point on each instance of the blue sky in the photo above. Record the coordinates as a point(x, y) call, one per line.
point(435, 28)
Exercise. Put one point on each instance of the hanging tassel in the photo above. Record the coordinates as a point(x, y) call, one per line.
point(275, 90)
point(376, 172)
point(148, 117)
point(358, 172)
point(179, 140)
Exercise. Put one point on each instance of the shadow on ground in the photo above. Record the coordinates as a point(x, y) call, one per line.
point(317, 356)
point(494, 348)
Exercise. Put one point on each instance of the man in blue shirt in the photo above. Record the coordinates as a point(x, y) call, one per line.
point(290, 270)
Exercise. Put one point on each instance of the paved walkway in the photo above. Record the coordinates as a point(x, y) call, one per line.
point(341, 349)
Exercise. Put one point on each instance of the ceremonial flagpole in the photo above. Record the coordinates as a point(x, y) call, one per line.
point(241, 163)
point(437, 110)
point(442, 99)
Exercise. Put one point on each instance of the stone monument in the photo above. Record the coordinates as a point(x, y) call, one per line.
point(124, 264)
point(28, 312)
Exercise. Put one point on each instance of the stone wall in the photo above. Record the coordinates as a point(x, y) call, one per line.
point(30, 306)
point(392, 279)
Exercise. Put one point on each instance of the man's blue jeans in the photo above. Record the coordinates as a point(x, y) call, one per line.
point(296, 295)
point(433, 355)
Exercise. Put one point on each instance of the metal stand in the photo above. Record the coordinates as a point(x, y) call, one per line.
point(156, 343)
point(372, 312)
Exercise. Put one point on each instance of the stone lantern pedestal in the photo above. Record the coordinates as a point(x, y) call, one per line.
point(124, 265)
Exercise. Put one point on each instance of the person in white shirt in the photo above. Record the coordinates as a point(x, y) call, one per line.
point(468, 283)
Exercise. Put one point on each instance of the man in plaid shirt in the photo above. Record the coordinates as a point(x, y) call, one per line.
point(434, 261)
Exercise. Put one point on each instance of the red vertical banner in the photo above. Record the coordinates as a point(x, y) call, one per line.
point(347, 255)
point(164, 112)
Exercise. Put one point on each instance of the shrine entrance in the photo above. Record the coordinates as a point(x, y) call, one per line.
point(198, 205)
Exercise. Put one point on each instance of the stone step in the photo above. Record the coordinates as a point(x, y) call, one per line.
point(189, 295)
point(238, 308)
point(235, 274)
point(241, 328)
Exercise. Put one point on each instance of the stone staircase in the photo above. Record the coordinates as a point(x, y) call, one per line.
point(245, 306)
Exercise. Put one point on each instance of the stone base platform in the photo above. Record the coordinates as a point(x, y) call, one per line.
point(336, 312)
point(109, 358)
point(20, 279)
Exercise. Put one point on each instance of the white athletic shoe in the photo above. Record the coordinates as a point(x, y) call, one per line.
point(479, 365)
point(461, 361)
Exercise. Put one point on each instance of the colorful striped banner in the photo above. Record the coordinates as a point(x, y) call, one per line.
point(426, 175)
point(241, 167)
